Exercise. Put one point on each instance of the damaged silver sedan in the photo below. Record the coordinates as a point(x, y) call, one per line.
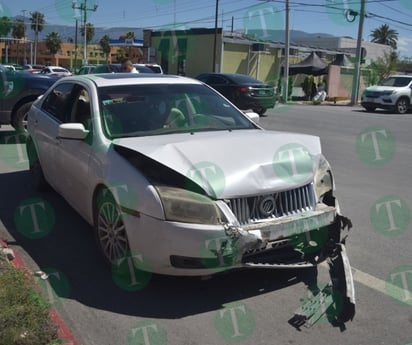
point(173, 175)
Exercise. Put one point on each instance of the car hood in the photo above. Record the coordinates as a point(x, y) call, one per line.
point(228, 164)
point(380, 88)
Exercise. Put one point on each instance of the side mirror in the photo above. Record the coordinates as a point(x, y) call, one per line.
point(74, 131)
point(253, 116)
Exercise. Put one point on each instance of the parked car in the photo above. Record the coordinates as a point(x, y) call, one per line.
point(87, 69)
point(154, 67)
point(393, 93)
point(18, 90)
point(55, 70)
point(33, 68)
point(116, 68)
point(242, 90)
point(9, 67)
point(174, 180)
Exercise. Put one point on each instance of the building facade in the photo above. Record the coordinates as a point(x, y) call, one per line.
point(70, 55)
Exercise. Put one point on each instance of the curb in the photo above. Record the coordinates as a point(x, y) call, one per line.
point(63, 331)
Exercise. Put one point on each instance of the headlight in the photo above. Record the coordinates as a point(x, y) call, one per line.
point(184, 206)
point(387, 93)
point(323, 178)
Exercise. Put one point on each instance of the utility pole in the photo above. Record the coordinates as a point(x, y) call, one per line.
point(75, 46)
point(215, 36)
point(83, 7)
point(24, 37)
point(286, 67)
point(356, 76)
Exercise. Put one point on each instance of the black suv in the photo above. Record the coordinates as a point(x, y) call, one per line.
point(242, 90)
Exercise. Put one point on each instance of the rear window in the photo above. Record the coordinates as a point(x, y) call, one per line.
point(244, 79)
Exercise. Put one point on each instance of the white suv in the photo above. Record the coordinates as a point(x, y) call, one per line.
point(154, 67)
point(393, 93)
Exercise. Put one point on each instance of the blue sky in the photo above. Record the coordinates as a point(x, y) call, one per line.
point(315, 16)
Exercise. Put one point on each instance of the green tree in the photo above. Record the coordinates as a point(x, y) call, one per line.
point(89, 32)
point(37, 25)
point(5, 26)
point(53, 42)
point(383, 67)
point(18, 31)
point(104, 44)
point(385, 35)
point(130, 36)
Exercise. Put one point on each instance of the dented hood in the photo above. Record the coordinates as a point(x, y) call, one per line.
point(228, 164)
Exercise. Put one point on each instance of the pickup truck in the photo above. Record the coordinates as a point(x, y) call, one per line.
point(18, 90)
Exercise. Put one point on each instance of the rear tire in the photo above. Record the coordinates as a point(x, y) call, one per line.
point(19, 121)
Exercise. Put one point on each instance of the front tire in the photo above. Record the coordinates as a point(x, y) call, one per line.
point(110, 231)
point(402, 105)
point(19, 121)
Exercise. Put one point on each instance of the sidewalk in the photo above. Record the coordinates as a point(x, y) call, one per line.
point(64, 333)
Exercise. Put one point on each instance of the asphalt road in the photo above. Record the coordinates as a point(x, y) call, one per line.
point(371, 157)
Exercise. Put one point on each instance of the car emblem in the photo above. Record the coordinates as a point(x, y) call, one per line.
point(267, 205)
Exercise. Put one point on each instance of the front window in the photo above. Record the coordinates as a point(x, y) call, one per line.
point(142, 110)
point(396, 81)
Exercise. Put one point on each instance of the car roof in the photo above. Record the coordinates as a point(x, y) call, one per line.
point(110, 79)
point(237, 77)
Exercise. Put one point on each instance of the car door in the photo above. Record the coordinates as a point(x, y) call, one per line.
point(44, 124)
point(72, 156)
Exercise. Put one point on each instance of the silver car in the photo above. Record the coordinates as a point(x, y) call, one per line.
point(177, 180)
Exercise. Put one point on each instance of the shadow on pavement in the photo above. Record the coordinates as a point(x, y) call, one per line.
point(68, 247)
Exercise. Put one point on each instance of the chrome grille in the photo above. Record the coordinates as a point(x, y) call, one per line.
point(265, 207)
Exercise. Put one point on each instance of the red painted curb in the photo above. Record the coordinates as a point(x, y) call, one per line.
point(63, 331)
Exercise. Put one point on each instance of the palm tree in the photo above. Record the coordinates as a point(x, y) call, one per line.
point(130, 36)
point(18, 31)
point(89, 32)
point(37, 25)
point(385, 35)
point(104, 43)
point(5, 26)
point(53, 42)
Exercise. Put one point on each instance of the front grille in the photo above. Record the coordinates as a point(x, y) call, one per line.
point(372, 94)
point(250, 210)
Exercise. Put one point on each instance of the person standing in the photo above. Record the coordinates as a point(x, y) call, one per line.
point(127, 66)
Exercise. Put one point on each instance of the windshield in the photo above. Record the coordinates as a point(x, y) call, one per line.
point(142, 110)
point(396, 81)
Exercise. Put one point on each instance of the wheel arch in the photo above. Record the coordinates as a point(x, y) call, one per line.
point(20, 102)
point(31, 150)
point(97, 190)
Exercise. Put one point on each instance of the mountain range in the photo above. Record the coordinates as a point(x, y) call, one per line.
point(68, 33)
